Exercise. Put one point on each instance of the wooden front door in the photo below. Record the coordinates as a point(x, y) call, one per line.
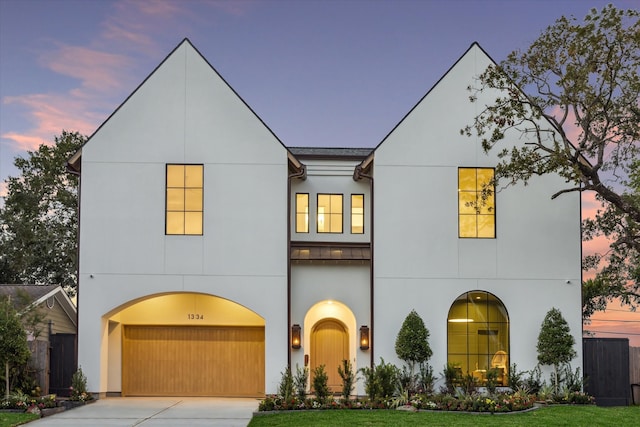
point(193, 361)
point(329, 347)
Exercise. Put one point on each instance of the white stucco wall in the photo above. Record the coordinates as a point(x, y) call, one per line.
point(331, 176)
point(329, 289)
point(183, 113)
point(420, 263)
point(316, 290)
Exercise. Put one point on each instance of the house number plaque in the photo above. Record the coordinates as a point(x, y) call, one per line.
point(195, 316)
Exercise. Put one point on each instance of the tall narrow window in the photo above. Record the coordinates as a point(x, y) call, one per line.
point(478, 336)
point(357, 213)
point(302, 213)
point(476, 203)
point(184, 199)
point(329, 213)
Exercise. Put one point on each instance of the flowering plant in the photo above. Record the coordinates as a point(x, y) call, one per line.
point(78, 389)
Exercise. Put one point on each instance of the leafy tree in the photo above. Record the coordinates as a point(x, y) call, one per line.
point(14, 350)
point(39, 221)
point(412, 342)
point(555, 342)
point(582, 78)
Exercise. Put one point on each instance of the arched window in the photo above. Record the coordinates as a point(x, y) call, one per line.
point(478, 336)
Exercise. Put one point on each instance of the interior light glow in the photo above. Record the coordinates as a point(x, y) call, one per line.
point(460, 320)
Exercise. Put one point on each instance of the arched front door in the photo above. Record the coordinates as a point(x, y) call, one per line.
point(329, 347)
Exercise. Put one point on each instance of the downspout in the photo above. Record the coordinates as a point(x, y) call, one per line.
point(359, 174)
point(300, 172)
point(71, 169)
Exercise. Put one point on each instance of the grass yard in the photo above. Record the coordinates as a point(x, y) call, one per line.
point(562, 415)
point(10, 419)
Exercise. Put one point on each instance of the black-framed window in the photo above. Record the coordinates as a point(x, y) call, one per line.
point(329, 213)
point(357, 213)
point(184, 199)
point(478, 336)
point(476, 203)
point(302, 213)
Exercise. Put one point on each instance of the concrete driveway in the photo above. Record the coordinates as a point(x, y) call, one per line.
point(155, 412)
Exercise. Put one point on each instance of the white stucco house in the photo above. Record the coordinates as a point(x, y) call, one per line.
point(212, 255)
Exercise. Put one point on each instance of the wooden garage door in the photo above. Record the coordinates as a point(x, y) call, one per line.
point(192, 361)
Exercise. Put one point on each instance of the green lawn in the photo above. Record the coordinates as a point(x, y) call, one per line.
point(562, 415)
point(10, 419)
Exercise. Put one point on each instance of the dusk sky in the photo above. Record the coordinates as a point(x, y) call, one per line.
point(318, 73)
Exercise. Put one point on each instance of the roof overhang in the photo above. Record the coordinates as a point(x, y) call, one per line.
point(330, 251)
point(74, 164)
point(296, 168)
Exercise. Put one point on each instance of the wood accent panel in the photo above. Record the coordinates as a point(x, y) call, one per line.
point(329, 347)
point(193, 361)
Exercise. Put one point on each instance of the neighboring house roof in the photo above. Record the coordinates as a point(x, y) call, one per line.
point(35, 292)
point(42, 294)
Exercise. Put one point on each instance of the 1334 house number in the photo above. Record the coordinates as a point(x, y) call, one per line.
point(194, 316)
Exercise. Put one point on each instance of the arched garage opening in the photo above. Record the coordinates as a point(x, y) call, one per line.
point(186, 344)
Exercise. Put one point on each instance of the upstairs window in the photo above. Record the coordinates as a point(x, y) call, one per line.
point(357, 213)
point(184, 199)
point(302, 213)
point(329, 213)
point(476, 203)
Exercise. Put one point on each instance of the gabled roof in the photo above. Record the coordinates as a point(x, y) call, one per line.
point(35, 292)
point(363, 168)
point(40, 294)
point(366, 163)
point(74, 163)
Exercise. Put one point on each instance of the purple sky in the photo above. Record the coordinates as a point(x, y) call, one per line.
point(319, 73)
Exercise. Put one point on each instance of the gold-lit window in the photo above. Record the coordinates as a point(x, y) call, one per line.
point(329, 215)
point(184, 199)
point(478, 337)
point(357, 213)
point(302, 213)
point(476, 203)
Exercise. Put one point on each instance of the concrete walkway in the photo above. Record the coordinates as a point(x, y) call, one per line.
point(155, 412)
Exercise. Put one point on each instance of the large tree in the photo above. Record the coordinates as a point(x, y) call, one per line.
point(14, 350)
point(584, 79)
point(39, 220)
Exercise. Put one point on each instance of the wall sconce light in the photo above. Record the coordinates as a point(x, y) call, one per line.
point(295, 336)
point(364, 337)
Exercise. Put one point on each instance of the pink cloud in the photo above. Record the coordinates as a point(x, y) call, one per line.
point(3, 189)
point(51, 113)
point(164, 8)
point(136, 25)
point(23, 142)
point(95, 69)
point(132, 37)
